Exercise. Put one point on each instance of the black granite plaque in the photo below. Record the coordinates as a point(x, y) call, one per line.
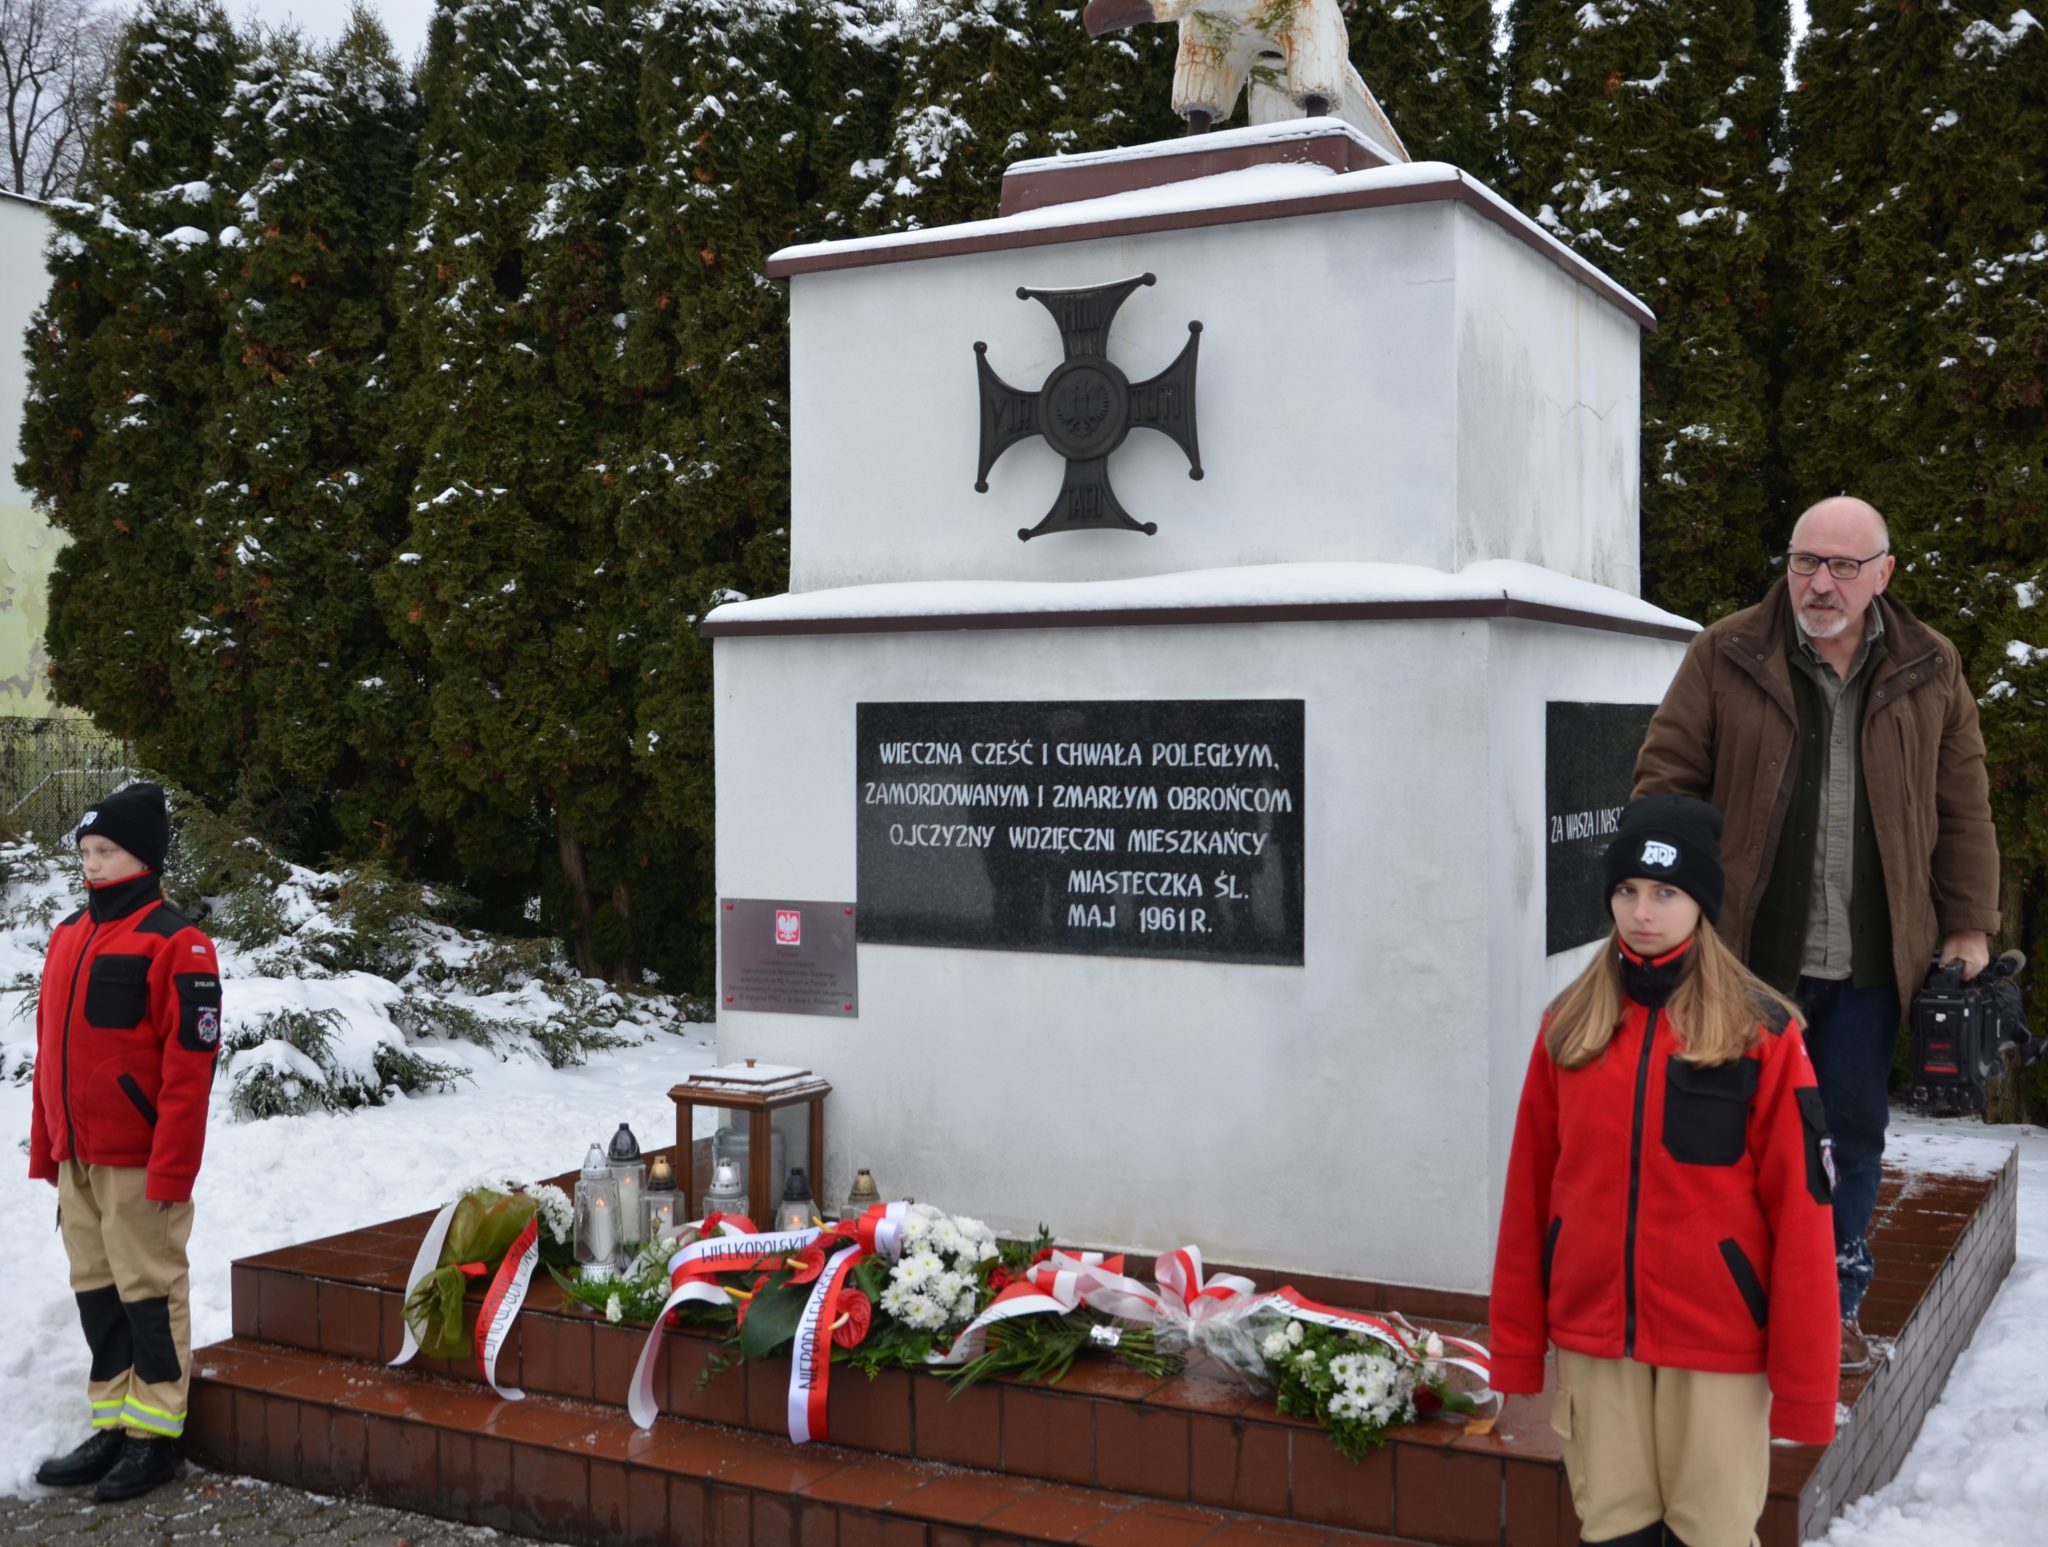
point(1589, 765)
point(795, 956)
point(1115, 828)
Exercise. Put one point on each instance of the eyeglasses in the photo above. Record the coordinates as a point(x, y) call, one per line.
point(1840, 568)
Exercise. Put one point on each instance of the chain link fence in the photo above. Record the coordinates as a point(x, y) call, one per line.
point(50, 769)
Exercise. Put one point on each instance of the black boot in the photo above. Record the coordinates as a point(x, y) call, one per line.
point(87, 1464)
point(145, 1463)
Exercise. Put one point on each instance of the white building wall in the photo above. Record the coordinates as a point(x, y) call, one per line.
point(1349, 1116)
point(1406, 383)
point(28, 544)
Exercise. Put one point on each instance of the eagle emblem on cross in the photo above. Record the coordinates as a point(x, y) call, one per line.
point(1086, 407)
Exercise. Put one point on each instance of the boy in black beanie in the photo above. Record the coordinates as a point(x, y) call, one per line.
point(126, 1032)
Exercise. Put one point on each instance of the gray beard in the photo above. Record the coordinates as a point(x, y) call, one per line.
point(1830, 623)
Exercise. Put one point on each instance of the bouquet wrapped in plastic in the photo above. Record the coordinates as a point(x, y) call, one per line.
point(480, 1232)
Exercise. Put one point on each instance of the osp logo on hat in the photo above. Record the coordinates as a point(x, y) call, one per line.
point(1662, 855)
point(89, 818)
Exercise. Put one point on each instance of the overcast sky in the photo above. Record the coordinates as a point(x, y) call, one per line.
point(322, 20)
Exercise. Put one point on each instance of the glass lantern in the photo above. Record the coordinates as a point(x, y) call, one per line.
point(630, 1172)
point(661, 1208)
point(597, 1212)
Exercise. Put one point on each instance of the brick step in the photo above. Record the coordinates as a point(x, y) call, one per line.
point(1195, 1439)
point(579, 1472)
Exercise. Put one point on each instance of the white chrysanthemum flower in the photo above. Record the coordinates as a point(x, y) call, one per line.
point(1275, 1344)
point(557, 1213)
point(613, 1311)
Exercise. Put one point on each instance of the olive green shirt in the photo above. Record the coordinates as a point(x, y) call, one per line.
point(1827, 952)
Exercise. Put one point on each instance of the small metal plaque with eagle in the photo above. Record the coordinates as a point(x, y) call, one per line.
point(1086, 407)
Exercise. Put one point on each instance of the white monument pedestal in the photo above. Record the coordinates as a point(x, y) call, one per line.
point(1269, 834)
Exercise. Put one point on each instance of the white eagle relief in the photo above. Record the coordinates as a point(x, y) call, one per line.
point(1294, 55)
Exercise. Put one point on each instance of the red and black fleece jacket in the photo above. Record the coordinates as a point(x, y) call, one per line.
point(1674, 1214)
point(127, 1028)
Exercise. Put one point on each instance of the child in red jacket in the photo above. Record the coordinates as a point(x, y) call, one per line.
point(1667, 1222)
point(127, 1027)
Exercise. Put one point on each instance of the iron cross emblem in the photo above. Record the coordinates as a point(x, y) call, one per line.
point(1086, 407)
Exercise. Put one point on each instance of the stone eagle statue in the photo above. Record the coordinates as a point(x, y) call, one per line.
point(1293, 54)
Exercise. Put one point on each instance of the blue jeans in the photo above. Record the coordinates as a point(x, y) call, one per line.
point(1851, 1032)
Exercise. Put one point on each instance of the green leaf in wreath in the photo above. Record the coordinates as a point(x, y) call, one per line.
point(771, 1319)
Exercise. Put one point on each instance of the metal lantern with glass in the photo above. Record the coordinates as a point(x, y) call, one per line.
point(779, 1108)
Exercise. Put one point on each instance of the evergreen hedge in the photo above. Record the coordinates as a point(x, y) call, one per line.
point(404, 430)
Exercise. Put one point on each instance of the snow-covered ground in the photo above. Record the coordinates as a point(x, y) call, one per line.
point(271, 1183)
point(1973, 1479)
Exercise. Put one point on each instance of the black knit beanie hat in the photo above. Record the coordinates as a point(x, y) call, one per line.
point(1671, 838)
point(136, 818)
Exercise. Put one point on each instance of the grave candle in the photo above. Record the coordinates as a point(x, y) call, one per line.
point(597, 1211)
point(630, 1174)
point(658, 1204)
point(604, 1242)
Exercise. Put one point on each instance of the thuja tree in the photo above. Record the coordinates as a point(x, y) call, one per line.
point(502, 591)
point(1432, 65)
point(704, 479)
point(1979, 548)
point(123, 372)
point(852, 51)
point(1869, 217)
point(297, 513)
point(1641, 137)
point(989, 82)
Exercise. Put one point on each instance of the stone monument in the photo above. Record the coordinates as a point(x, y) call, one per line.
point(1291, 58)
point(1211, 854)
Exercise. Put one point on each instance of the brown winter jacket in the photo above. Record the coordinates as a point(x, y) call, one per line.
point(1728, 733)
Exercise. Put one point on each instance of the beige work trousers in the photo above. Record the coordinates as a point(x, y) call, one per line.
point(134, 1291)
point(1644, 1444)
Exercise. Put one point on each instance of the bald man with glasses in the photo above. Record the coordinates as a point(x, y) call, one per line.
point(1836, 735)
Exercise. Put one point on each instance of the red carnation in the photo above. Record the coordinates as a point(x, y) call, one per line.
point(999, 1280)
point(1427, 1401)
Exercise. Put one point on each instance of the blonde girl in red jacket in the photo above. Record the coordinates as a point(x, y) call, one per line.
point(1667, 1224)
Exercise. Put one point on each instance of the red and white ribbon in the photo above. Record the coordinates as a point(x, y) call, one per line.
point(1186, 1300)
point(1393, 1330)
point(424, 1261)
point(501, 1301)
point(1183, 1298)
point(810, 1364)
point(733, 1246)
point(737, 1248)
point(501, 1304)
